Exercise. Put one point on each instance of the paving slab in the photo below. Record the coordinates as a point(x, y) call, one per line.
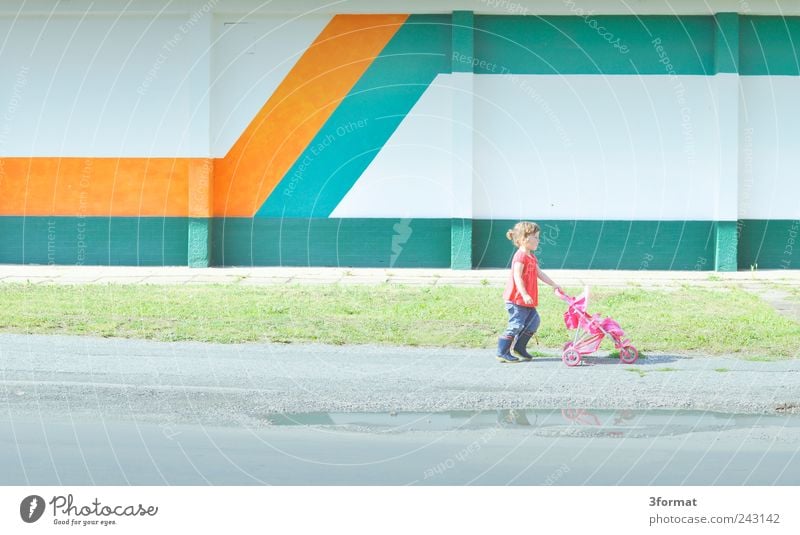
point(25, 280)
point(411, 281)
point(264, 281)
point(120, 280)
point(160, 279)
point(317, 280)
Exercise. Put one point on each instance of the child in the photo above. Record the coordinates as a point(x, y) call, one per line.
point(522, 294)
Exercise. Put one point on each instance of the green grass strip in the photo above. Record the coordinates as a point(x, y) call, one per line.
point(714, 322)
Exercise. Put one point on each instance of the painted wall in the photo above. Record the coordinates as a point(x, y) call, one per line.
point(218, 133)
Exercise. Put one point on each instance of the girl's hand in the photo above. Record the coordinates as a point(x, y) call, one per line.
point(527, 299)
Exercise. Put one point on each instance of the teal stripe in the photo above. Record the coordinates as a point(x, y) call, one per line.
point(769, 45)
point(564, 244)
point(595, 44)
point(117, 241)
point(769, 244)
point(332, 242)
point(365, 120)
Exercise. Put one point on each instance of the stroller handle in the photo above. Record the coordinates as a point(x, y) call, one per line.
point(571, 300)
point(559, 293)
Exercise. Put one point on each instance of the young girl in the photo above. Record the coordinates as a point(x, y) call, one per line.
point(522, 294)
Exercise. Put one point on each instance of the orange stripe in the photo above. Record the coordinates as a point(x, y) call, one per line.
point(294, 114)
point(97, 186)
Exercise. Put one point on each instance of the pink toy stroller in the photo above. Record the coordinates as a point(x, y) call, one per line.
point(590, 330)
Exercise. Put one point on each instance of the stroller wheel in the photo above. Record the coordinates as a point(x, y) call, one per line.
point(628, 354)
point(571, 357)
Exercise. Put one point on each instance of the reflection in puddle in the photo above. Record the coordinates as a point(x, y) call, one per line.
point(511, 446)
point(543, 422)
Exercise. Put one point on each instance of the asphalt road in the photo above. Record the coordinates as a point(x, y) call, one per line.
point(218, 384)
point(83, 411)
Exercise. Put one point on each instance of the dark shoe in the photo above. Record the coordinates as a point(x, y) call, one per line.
point(521, 345)
point(503, 347)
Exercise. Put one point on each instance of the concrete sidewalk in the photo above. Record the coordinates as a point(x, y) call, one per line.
point(417, 277)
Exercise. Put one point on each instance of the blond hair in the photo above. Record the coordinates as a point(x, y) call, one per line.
point(521, 231)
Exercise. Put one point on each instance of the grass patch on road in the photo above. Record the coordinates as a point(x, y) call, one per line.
point(641, 372)
point(728, 321)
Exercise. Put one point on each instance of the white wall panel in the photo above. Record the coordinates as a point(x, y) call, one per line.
point(595, 147)
point(105, 86)
point(769, 147)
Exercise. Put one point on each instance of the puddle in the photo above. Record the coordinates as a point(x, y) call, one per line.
point(543, 422)
point(502, 447)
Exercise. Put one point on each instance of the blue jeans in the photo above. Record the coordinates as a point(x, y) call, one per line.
point(521, 319)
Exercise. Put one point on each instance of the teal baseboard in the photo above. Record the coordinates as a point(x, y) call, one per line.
point(769, 244)
point(565, 244)
point(332, 242)
point(106, 241)
point(401, 243)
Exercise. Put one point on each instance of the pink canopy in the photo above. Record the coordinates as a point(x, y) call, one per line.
point(576, 316)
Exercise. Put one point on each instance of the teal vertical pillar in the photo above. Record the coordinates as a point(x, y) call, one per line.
point(727, 246)
point(726, 43)
point(726, 81)
point(463, 41)
point(461, 188)
point(198, 134)
point(461, 244)
point(201, 180)
point(199, 242)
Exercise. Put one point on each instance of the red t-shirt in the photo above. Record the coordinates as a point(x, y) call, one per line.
point(530, 267)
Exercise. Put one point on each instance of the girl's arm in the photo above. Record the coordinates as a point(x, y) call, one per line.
point(518, 266)
point(547, 280)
